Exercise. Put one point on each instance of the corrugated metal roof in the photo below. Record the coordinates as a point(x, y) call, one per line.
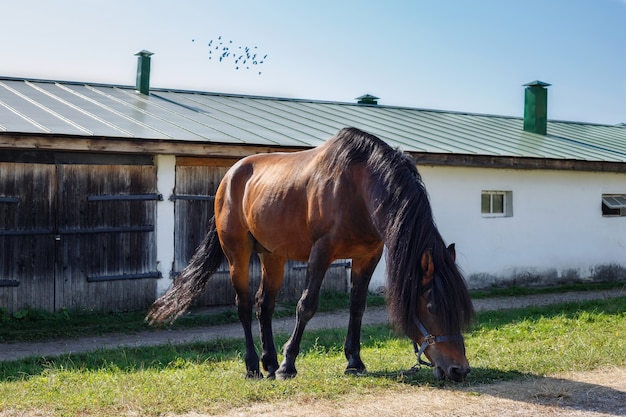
point(82, 109)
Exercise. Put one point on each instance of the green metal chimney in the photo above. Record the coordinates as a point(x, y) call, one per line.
point(536, 107)
point(367, 99)
point(143, 71)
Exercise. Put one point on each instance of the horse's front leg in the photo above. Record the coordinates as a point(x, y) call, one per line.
point(319, 262)
point(361, 274)
point(273, 269)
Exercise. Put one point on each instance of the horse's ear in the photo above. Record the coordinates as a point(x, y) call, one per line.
point(428, 267)
point(452, 250)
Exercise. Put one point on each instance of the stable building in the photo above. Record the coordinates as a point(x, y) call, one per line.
point(105, 190)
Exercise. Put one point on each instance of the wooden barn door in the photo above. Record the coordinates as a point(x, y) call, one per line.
point(106, 233)
point(27, 245)
point(77, 232)
point(197, 180)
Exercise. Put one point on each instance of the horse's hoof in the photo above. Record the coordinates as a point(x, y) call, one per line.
point(286, 373)
point(355, 371)
point(254, 375)
point(271, 371)
point(355, 366)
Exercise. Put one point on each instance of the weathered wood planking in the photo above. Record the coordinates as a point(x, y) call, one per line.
point(103, 241)
point(81, 236)
point(27, 247)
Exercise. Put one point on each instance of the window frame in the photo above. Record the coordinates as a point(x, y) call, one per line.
point(613, 205)
point(507, 203)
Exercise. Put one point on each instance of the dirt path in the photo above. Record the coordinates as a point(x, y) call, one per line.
point(14, 351)
point(599, 393)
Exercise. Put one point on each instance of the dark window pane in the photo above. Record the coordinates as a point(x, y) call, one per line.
point(485, 203)
point(498, 203)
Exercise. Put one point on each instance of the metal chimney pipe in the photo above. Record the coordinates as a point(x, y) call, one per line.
point(536, 107)
point(143, 71)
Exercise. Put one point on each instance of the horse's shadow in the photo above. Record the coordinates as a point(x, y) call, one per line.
point(525, 388)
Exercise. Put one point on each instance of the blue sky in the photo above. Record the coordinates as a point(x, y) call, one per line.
point(461, 55)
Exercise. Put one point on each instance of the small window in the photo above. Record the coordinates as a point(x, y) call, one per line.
point(496, 203)
point(614, 204)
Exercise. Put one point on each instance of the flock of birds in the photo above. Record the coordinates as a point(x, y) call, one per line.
point(242, 57)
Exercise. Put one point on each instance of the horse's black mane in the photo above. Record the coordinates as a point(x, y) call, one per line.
point(402, 214)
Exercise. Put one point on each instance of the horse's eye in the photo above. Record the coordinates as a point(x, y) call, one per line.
point(431, 308)
point(429, 303)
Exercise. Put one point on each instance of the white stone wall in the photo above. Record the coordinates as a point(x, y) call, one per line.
point(557, 231)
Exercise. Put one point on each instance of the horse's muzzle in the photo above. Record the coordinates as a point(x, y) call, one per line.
point(453, 373)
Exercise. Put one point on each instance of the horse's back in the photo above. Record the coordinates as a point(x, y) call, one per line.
point(287, 201)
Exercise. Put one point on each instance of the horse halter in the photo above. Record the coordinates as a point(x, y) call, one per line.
point(430, 340)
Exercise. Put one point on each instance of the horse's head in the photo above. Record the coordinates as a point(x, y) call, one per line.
point(434, 336)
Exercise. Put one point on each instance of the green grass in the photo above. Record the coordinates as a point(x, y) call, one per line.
point(32, 325)
point(543, 340)
point(516, 291)
point(208, 377)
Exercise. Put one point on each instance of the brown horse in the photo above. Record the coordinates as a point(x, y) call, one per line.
point(344, 199)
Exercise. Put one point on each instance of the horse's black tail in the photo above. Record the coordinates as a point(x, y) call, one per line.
point(191, 282)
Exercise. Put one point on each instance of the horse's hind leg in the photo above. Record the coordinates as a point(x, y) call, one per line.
point(273, 269)
point(239, 261)
point(361, 274)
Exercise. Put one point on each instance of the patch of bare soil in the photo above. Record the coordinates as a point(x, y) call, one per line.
point(572, 394)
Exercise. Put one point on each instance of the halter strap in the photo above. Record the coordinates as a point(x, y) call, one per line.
point(429, 340)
